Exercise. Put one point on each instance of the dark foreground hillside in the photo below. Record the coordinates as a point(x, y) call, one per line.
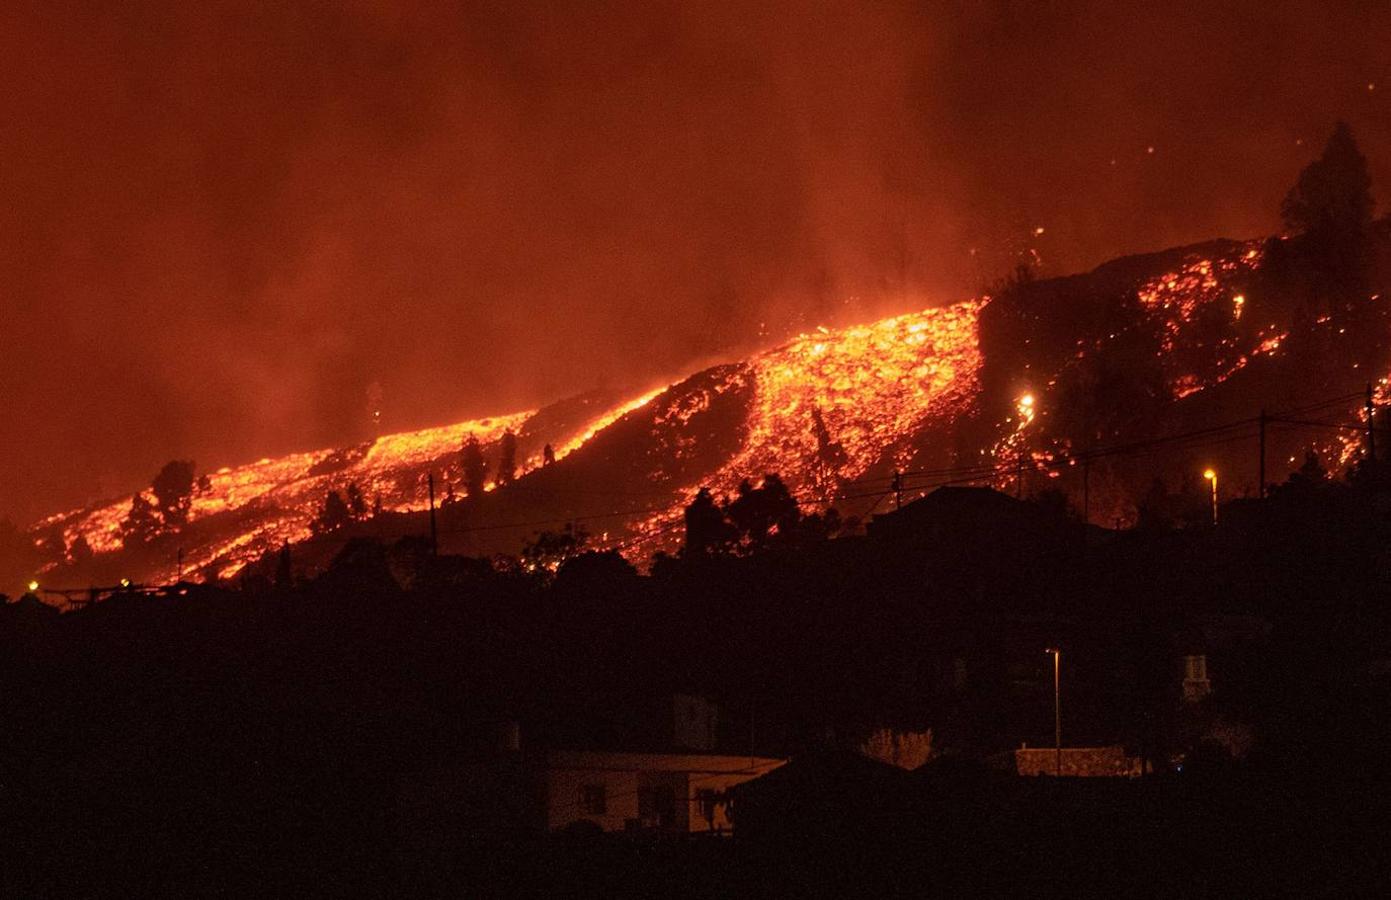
point(265, 740)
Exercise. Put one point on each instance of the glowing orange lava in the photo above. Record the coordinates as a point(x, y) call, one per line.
point(822, 411)
point(870, 387)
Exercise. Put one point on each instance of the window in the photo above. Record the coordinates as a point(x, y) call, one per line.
point(707, 799)
point(657, 803)
point(594, 800)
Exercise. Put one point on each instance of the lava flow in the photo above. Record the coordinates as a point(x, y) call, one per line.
point(826, 411)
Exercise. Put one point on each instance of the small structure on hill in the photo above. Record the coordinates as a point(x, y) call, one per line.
point(1077, 762)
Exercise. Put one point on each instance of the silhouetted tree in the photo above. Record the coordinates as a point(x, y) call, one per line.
point(1333, 194)
point(376, 506)
point(475, 468)
point(52, 547)
point(507, 458)
point(1370, 474)
point(333, 515)
point(1156, 508)
point(255, 577)
point(173, 490)
point(284, 575)
point(1311, 474)
point(707, 529)
point(1329, 263)
point(142, 522)
point(550, 549)
point(820, 526)
point(1021, 276)
point(357, 504)
point(80, 551)
point(547, 455)
point(828, 450)
point(760, 513)
point(1054, 502)
point(595, 570)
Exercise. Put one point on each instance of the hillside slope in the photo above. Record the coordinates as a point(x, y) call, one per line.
point(1001, 389)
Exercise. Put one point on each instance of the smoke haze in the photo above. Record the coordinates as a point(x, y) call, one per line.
point(223, 225)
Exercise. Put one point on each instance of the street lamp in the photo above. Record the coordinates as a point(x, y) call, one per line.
point(1211, 476)
point(1057, 710)
point(33, 587)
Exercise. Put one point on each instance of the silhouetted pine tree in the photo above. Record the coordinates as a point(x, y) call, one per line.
point(333, 515)
point(1310, 474)
point(284, 575)
point(475, 468)
point(1334, 192)
point(141, 524)
point(80, 552)
point(357, 504)
point(707, 529)
point(507, 458)
point(173, 490)
point(1330, 207)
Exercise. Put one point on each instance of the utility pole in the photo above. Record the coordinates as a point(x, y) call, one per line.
point(1086, 493)
point(434, 533)
point(1057, 711)
point(753, 718)
point(180, 576)
point(1261, 467)
point(898, 489)
point(1371, 430)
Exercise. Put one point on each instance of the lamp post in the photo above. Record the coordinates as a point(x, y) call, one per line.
point(1211, 476)
point(1057, 711)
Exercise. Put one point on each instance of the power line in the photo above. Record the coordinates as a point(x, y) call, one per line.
point(1216, 435)
point(1360, 426)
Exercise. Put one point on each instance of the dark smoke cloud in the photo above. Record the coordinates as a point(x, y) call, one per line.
point(222, 222)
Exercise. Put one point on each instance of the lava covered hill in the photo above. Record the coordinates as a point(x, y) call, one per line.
point(1150, 367)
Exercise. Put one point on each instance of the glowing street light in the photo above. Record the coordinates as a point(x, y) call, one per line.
point(1057, 710)
point(33, 587)
point(1211, 476)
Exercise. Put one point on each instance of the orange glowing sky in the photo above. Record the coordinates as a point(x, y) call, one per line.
point(223, 224)
point(875, 389)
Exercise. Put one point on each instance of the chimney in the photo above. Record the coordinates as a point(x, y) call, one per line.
point(510, 737)
point(1195, 681)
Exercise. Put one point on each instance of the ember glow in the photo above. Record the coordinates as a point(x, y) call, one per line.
point(830, 407)
point(594, 427)
point(280, 496)
point(1182, 299)
point(871, 388)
